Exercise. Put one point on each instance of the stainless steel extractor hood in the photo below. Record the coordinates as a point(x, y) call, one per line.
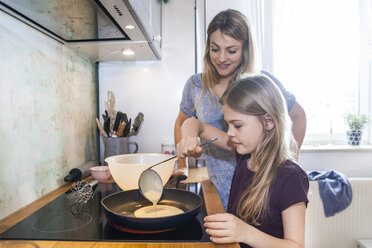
point(102, 30)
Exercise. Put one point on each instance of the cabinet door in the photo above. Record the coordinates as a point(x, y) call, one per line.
point(149, 14)
point(156, 22)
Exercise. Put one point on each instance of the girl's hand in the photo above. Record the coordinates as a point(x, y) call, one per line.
point(226, 228)
point(189, 147)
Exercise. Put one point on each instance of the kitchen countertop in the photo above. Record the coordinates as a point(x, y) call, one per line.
point(211, 198)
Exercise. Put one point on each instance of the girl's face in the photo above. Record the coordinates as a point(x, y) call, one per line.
point(245, 131)
point(225, 53)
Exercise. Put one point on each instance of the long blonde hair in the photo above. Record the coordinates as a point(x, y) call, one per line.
point(234, 24)
point(258, 95)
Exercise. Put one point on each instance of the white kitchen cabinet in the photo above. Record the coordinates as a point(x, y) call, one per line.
point(364, 243)
point(149, 13)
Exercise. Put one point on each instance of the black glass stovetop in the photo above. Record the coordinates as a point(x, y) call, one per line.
point(64, 219)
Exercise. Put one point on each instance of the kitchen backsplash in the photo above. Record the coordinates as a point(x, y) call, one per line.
point(48, 109)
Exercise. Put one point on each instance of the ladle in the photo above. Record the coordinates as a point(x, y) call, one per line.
point(150, 184)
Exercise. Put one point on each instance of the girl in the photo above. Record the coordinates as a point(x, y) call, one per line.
point(268, 195)
point(230, 52)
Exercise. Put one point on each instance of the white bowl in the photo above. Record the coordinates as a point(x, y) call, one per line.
point(127, 168)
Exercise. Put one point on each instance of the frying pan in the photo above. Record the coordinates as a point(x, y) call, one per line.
point(119, 208)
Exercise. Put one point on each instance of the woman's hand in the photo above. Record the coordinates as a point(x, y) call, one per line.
point(226, 228)
point(189, 144)
point(189, 147)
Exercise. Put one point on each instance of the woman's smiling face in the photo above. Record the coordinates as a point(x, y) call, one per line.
point(225, 53)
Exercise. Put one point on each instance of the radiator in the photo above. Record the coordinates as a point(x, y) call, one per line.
point(344, 228)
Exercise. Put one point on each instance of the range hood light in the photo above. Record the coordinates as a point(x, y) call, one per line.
point(127, 52)
point(129, 27)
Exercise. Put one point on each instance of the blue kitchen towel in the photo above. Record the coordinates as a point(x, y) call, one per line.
point(335, 190)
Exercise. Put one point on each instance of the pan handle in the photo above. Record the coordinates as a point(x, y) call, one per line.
point(175, 181)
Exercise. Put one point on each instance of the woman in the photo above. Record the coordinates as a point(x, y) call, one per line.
point(230, 54)
point(268, 194)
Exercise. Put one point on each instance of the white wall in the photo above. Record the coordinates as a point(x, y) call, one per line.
point(154, 88)
point(353, 162)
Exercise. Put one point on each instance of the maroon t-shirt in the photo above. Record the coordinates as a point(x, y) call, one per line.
point(289, 187)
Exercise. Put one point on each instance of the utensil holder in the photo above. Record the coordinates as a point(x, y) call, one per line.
point(117, 146)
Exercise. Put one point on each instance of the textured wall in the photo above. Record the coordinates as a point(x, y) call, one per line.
point(47, 111)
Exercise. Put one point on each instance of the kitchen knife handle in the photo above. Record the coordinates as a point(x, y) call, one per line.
point(117, 121)
point(121, 129)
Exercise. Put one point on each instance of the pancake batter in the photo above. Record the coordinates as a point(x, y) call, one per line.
point(157, 211)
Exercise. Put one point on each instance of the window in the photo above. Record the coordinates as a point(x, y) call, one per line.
point(319, 54)
point(321, 51)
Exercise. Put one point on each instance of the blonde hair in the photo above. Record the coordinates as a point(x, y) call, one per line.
point(234, 24)
point(258, 95)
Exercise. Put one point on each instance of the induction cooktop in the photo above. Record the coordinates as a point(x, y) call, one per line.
point(66, 220)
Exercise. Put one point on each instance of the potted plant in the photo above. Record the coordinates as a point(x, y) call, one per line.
point(356, 123)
